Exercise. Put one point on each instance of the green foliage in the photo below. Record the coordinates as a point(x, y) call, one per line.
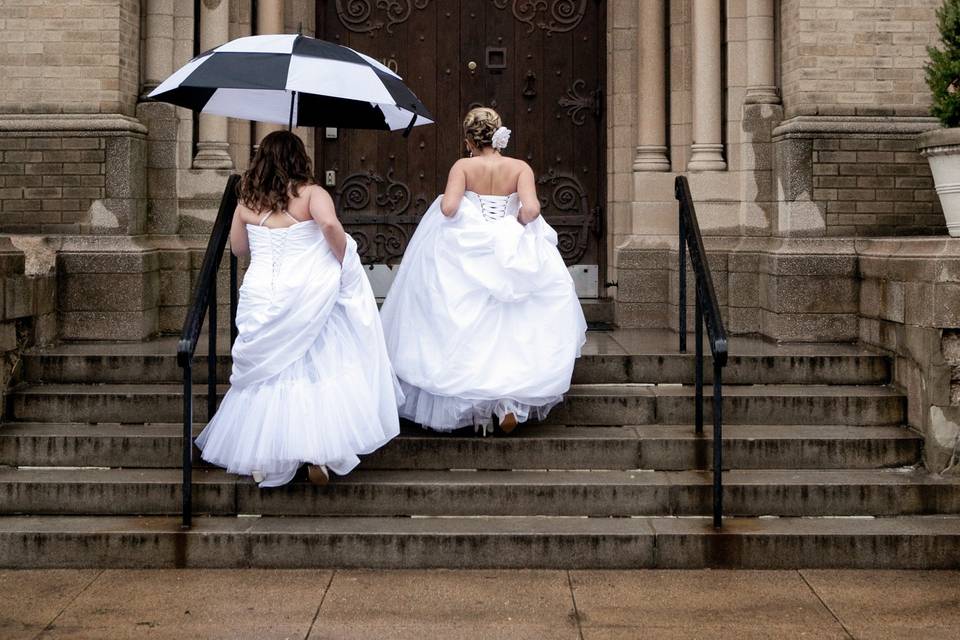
point(943, 70)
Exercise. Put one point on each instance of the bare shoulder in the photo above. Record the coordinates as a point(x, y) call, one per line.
point(315, 192)
point(247, 215)
point(462, 164)
point(520, 165)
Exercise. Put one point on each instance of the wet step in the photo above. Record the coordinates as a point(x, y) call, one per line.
point(661, 447)
point(611, 357)
point(485, 493)
point(601, 404)
point(906, 542)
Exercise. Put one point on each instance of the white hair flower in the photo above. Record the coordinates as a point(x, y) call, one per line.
point(500, 138)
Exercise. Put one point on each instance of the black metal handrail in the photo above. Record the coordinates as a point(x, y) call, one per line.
point(707, 312)
point(204, 301)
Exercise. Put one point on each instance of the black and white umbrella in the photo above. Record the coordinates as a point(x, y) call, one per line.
point(294, 80)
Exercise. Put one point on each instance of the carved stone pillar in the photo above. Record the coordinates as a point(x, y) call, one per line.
point(212, 146)
point(761, 76)
point(651, 87)
point(158, 43)
point(269, 20)
point(706, 152)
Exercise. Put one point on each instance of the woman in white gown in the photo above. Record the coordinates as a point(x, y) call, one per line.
point(483, 317)
point(311, 381)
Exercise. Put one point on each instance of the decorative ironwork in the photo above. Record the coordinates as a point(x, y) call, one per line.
point(529, 85)
point(566, 205)
point(380, 213)
point(358, 15)
point(560, 15)
point(578, 104)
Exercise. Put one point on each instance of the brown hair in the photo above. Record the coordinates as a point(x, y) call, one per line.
point(479, 126)
point(279, 168)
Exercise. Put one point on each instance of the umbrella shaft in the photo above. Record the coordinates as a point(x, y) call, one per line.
point(293, 99)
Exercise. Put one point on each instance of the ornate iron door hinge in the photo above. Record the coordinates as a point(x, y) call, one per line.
point(598, 219)
point(598, 102)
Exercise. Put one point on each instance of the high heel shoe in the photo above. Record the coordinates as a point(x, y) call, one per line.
point(258, 476)
point(318, 474)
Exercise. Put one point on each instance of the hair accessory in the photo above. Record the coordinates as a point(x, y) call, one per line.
point(500, 138)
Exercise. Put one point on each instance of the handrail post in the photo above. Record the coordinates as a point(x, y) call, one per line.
point(187, 486)
point(212, 352)
point(698, 336)
point(682, 293)
point(717, 445)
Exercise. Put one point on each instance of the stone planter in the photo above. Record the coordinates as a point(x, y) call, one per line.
point(941, 147)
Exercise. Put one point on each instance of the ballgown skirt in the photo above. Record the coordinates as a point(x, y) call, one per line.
point(482, 318)
point(311, 381)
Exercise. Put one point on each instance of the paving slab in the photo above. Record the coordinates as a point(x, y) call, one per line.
point(694, 604)
point(32, 599)
point(883, 605)
point(206, 604)
point(452, 605)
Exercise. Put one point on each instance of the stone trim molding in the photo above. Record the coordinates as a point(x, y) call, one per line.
point(79, 125)
point(816, 126)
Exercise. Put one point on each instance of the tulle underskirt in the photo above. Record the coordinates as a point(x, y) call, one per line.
point(326, 408)
point(446, 413)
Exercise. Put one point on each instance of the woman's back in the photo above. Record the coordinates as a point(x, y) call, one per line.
point(492, 174)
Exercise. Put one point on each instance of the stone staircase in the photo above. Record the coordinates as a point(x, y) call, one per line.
point(822, 473)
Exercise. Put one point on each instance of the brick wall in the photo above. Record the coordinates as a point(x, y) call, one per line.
point(49, 183)
point(72, 173)
point(855, 56)
point(72, 56)
point(875, 187)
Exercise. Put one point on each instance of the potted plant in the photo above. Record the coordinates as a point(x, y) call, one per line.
point(941, 146)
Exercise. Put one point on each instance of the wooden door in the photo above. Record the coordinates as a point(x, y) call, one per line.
point(540, 64)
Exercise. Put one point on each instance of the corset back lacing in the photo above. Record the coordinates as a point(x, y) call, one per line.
point(278, 243)
point(493, 207)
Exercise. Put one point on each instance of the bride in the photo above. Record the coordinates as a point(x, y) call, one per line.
point(311, 382)
point(483, 319)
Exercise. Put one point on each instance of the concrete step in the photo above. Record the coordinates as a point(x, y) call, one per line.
point(603, 362)
point(662, 447)
point(602, 404)
point(484, 493)
point(908, 542)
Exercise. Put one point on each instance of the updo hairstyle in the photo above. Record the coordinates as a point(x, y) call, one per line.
point(480, 125)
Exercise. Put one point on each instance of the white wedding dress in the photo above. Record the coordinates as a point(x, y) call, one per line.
point(483, 317)
point(311, 381)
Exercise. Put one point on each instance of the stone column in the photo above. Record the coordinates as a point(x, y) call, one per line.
point(158, 43)
point(269, 20)
point(706, 152)
point(212, 147)
point(651, 86)
point(761, 77)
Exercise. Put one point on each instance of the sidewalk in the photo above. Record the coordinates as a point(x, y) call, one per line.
point(429, 605)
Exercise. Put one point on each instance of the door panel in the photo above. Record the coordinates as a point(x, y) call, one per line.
point(540, 64)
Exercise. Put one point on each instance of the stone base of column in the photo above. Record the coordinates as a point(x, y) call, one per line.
point(706, 157)
point(212, 155)
point(651, 158)
point(761, 95)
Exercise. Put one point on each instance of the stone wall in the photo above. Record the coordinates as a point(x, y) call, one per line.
point(863, 57)
point(909, 306)
point(72, 174)
point(791, 290)
point(898, 295)
point(854, 176)
point(27, 304)
point(80, 56)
